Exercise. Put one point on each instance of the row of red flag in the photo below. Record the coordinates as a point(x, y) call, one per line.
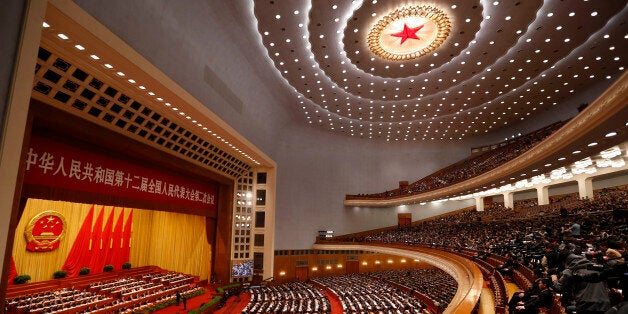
point(96, 247)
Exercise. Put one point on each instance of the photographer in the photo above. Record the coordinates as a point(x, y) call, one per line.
point(582, 285)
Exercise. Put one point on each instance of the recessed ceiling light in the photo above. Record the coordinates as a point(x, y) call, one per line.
point(611, 134)
point(45, 25)
point(594, 13)
point(592, 144)
point(95, 57)
point(62, 36)
point(108, 66)
point(577, 152)
point(79, 47)
point(277, 16)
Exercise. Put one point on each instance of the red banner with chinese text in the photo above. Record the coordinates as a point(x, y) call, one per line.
point(55, 164)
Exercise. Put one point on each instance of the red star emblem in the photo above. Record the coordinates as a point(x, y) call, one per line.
point(407, 32)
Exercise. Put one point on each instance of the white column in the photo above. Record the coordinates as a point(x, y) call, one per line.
point(542, 194)
point(585, 187)
point(509, 200)
point(12, 129)
point(479, 203)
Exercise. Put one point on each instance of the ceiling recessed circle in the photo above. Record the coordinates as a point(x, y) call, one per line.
point(409, 32)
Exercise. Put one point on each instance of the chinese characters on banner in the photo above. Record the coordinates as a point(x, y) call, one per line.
point(51, 163)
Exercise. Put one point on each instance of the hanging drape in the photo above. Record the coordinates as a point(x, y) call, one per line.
point(173, 241)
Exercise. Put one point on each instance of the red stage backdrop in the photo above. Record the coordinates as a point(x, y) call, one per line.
point(52, 163)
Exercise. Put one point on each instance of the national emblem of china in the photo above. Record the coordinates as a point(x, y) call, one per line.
point(409, 32)
point(44, 231)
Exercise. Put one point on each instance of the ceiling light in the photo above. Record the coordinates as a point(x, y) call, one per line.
point(611, 134)
point(95, 57)
point(611, 152)
point(108, 66)
point(62, 36)
point(45, 25)
point(79, 47)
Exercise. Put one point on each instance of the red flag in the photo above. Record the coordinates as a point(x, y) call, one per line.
point(12, 271)
point(115, 255)
point(96, 241)
point(126, 244)
point(105, 249)
point(79, 254)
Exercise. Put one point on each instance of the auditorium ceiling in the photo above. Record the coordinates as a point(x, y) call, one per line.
point(396, 71)
point(439, 70)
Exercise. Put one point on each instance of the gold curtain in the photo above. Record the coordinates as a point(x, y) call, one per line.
point(172, 241)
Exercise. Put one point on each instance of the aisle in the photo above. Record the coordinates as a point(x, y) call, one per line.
point(235, 304)
point(336, 306)
point(487, 302)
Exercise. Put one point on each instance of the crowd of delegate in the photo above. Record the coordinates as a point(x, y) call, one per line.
point(121, 295)
point(294, 297)
point(433, 283)
point(360, 293)
point(470, 167)
point(550, 241)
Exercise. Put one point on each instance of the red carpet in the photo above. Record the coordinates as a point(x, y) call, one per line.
point(336, 306)
point(193, 303)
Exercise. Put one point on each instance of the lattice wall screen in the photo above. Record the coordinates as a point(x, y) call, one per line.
point(66, 85)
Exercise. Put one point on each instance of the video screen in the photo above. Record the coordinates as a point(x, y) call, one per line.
point(242, 269)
